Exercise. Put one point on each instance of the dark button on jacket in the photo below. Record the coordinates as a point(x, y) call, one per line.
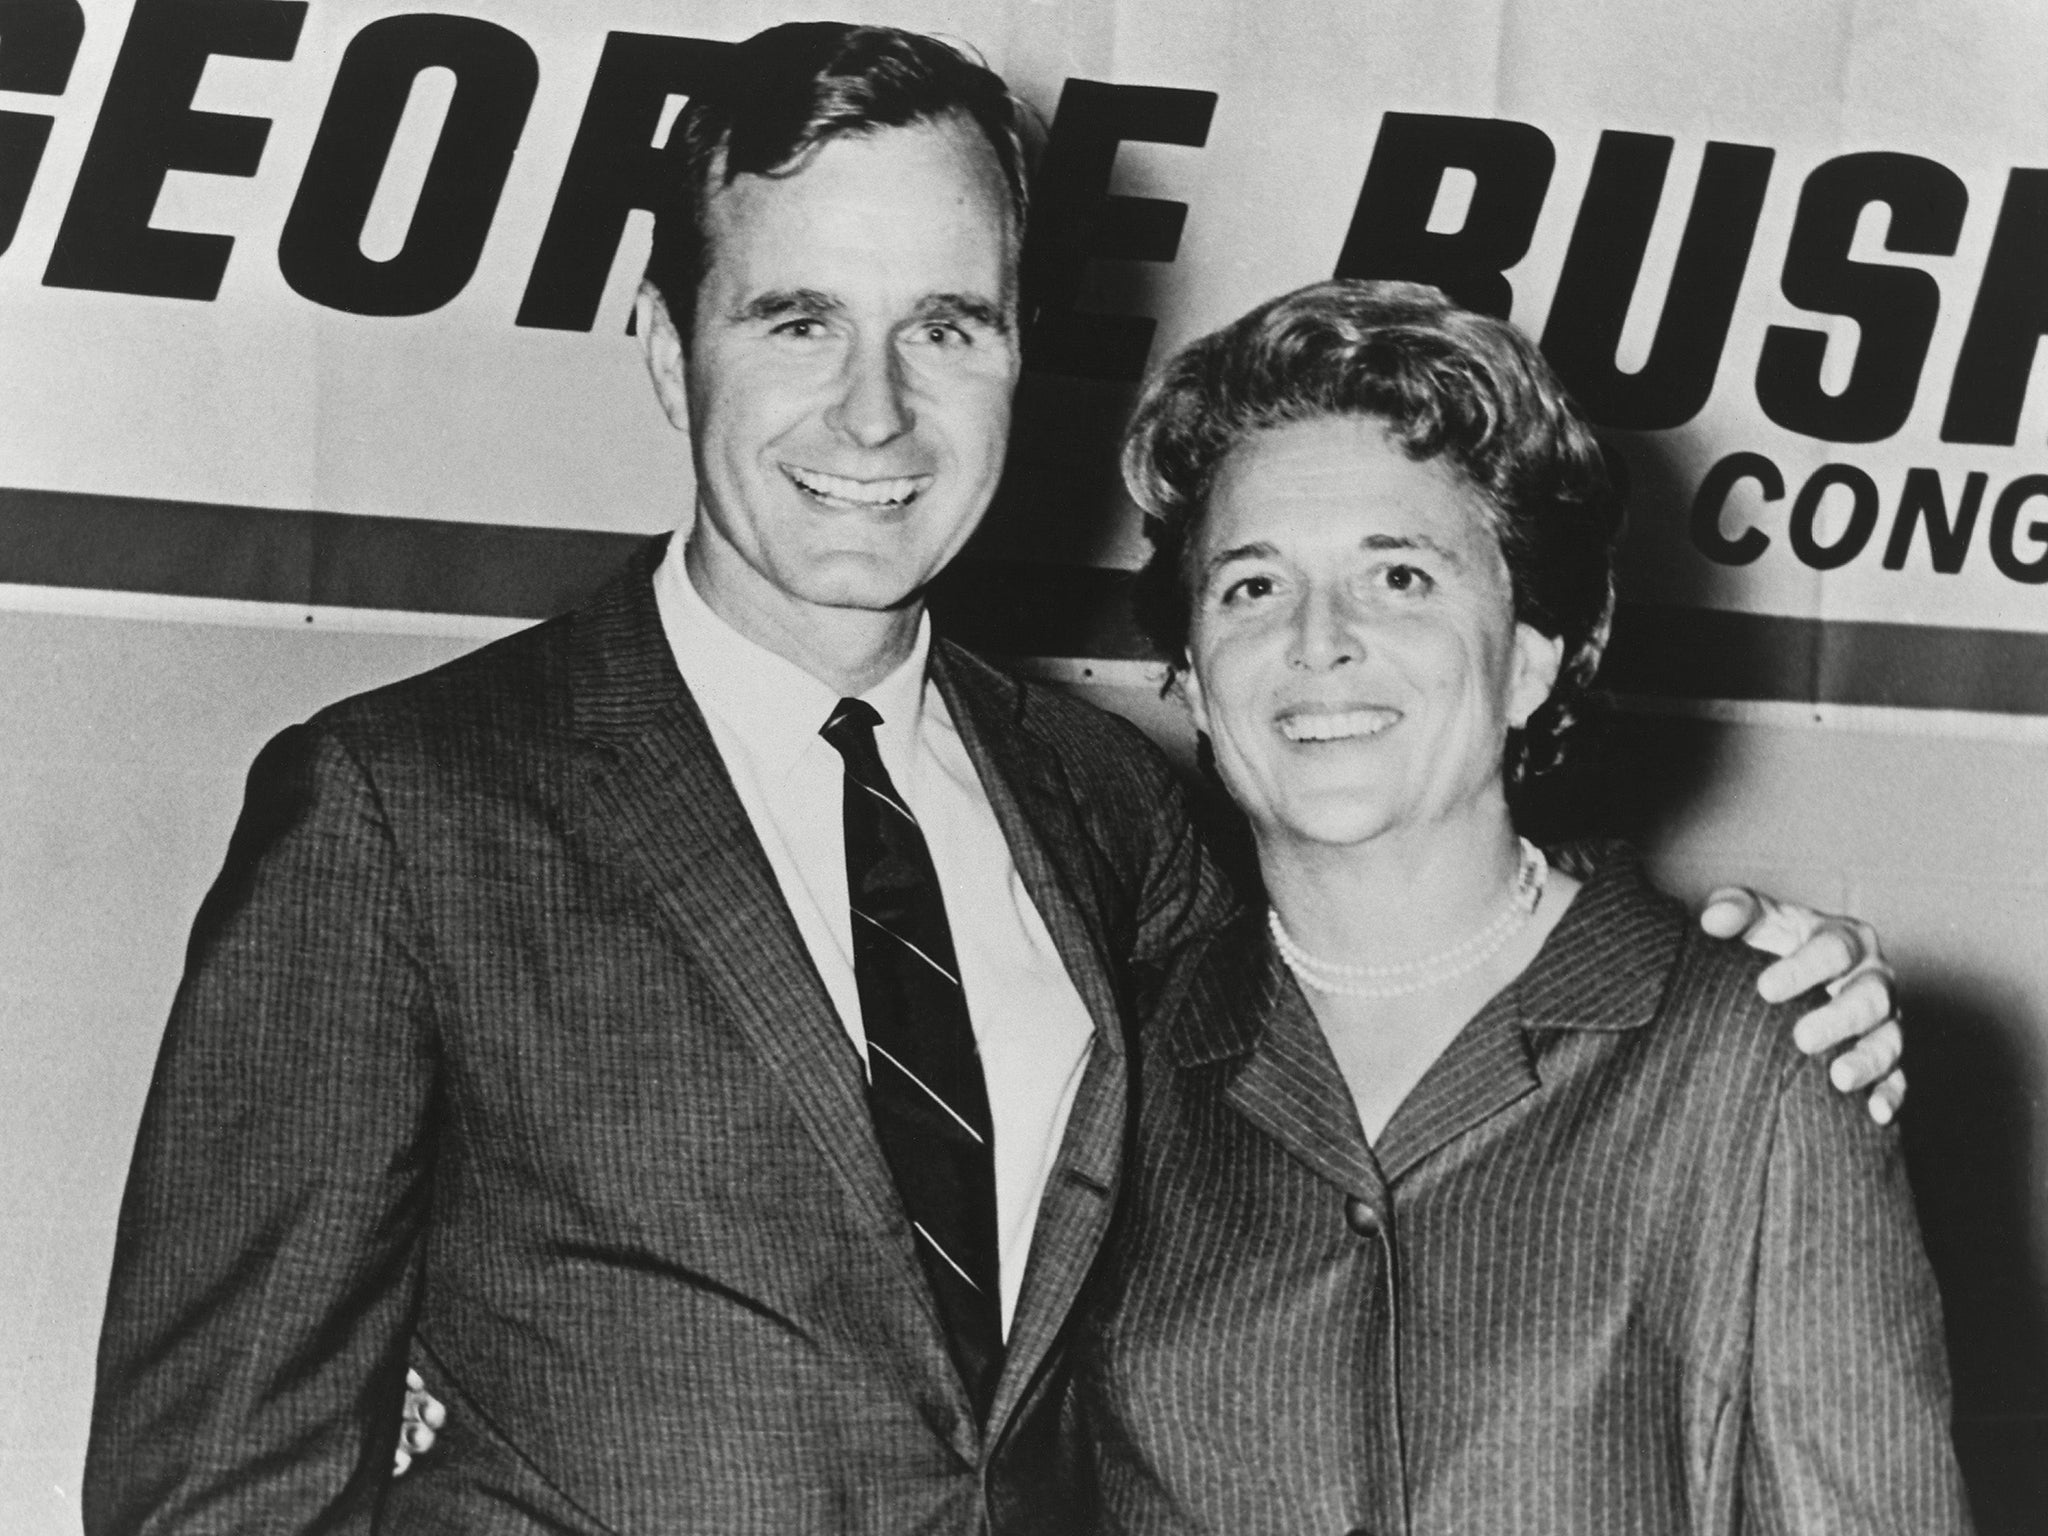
point(1361, 1218)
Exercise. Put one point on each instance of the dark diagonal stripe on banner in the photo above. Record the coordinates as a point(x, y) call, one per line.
point(342, 560)
point(1711, 653)
point(315, 559)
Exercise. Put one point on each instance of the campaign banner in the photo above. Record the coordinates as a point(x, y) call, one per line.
point(323, 310)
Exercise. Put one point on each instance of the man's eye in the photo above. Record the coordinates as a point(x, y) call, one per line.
point(1407, 578)
point(942, 333)
point(801, 327)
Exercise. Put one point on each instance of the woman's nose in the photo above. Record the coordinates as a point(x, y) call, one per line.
point(1322, 637)
point(873, 407)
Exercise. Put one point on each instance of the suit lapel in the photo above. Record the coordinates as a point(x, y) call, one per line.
point(1603, 969)
point(1247, 1018)
point(1486, 1069)
point(1034, 805)
point(1289, 1085)
point(660, 804)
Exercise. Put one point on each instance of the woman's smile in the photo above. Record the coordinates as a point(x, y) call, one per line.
point(1315, 724)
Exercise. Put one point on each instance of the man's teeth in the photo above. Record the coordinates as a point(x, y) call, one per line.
point(1338, 727)
point(864, 493)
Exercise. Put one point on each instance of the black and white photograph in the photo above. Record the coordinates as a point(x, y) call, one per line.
point(1023, 768)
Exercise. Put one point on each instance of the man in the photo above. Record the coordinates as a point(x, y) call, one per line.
point(687, 1034)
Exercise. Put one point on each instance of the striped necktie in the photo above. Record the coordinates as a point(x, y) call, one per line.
point(925, 1087)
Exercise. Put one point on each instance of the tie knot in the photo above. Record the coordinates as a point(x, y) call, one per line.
point(851, 727)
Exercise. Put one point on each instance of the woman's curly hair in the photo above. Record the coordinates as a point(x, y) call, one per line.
point(1447, 384)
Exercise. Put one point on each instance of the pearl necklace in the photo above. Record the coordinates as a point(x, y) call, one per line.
point(1411, 976)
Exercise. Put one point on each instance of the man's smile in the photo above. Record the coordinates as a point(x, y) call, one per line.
point(839, 491)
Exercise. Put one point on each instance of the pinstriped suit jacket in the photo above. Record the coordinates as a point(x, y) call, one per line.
point(1622, 1265)
point(499, 1052)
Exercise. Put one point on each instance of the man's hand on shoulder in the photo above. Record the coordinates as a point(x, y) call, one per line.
point(1819, 949)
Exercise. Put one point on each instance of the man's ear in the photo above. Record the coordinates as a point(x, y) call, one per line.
point(663, 345)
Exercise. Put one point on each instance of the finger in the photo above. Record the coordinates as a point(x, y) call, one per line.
point(423, 1405)
point(1830, 952)
point(413, 1382)
point(1854, 1008)
point(1778, 927)
point(1730, 909)
point(1857, 1007)
point(1887, 1097)
point(1868, 1061)
point(401, 1463)
point(417, 1438)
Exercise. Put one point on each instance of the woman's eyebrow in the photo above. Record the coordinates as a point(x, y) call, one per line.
point(1258, 549)
point(1378, 542)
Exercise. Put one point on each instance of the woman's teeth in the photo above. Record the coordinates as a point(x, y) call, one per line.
point(1340, 726)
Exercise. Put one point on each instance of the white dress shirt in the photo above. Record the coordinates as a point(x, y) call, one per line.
point(1030, 1025)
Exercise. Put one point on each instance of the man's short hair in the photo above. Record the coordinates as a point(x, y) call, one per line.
point(1447, 384)
point(783, 93)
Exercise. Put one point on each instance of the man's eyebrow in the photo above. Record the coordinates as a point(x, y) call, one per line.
point(778, 303)
point(971, 307)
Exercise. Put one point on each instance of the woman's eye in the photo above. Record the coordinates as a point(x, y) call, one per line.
point(1248, 588)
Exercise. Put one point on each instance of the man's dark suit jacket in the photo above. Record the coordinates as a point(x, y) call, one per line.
point(499, 1053)
point(1623, 1264)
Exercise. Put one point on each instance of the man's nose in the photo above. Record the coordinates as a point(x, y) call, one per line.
point(873, 407)
point(1322, 636)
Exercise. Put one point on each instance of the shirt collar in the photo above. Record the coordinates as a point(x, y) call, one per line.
point(773, 705)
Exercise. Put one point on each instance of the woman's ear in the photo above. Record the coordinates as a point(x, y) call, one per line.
point(1537, 659)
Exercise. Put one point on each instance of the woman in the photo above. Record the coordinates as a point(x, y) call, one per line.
point(1472, 1198)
